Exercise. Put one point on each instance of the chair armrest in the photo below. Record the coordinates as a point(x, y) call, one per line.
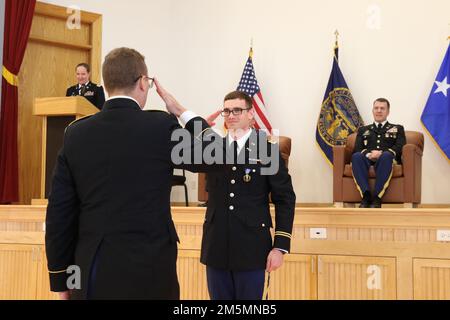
point(412, 171)
point(339, 161)
point(411, 148)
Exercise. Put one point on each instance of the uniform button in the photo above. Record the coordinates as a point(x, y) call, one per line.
point(234, 168)
point(232, 195)
point(233, 181)
point(379, 136)
point(263, 225)
point(378, 141)
point(231, 207)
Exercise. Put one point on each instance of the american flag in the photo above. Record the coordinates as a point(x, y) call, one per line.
point(249, 85)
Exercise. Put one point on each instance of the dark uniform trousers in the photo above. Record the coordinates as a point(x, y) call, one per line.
point(383, 170)
point(236, 233)
point(235, 285)
point(390, 139)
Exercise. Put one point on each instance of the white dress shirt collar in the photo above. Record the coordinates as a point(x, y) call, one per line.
point(79, 85)
point(123, 97)
point(382, 123)
point(241, 141)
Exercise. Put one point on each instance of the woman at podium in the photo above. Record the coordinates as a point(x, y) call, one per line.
point(91, 91)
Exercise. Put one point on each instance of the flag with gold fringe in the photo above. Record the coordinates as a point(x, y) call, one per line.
point(436, 114)
point(339, 115)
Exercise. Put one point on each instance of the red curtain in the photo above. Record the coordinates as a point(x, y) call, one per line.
point(18, 18)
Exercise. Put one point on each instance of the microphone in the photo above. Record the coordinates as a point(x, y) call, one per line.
point(83, 89)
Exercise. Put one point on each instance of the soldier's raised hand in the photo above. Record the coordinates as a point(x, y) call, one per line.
point(212, 118)
point(172, 105)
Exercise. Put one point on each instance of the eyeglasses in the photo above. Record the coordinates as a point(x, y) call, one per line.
point(235, 111)
point(152, 80)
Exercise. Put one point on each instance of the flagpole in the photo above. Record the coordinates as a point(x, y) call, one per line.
point(336, 33)
point(250, 54)
point(336, 45)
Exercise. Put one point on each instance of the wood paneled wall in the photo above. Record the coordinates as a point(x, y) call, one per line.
point(339, 267)
point(48, 68)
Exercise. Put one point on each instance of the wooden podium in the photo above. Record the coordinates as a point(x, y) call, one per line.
point(57, 114)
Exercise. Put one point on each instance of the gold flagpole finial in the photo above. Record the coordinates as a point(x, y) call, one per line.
point(336, 33)
point(251, 48)
point(448, 38)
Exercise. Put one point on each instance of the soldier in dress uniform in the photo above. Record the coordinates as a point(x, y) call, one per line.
point(379, 144)
point(85, 88)
point(237, 246)
point(109, 209)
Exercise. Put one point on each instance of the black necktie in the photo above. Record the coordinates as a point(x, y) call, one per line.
point(380, 126)
point(235, 150)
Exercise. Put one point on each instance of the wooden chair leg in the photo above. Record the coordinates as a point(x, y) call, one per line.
point(350, 204)
point(338, 204)
point(186, 195)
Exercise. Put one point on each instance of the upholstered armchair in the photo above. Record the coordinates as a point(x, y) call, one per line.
point(406, 182)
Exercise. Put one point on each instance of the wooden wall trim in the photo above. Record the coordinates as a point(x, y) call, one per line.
point(55, 11)
point(48, 69)
point(96, 50)
point(59, 43)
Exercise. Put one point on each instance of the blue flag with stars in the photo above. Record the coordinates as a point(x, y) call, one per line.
point(436, 114)
point(339, 115)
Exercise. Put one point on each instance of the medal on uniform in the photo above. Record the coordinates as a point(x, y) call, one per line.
point(247, 177)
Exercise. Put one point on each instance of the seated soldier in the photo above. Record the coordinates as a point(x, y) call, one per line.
point(379, 144)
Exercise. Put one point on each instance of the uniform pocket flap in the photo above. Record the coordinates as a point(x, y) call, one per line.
point(257, 222)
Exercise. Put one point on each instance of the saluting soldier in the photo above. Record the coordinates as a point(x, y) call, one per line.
point(85, 88)
point(237, 246)
point(379, 144)
point(109, 209)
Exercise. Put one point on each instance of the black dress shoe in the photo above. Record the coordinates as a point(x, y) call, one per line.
point(376, 203)
point(365, 203)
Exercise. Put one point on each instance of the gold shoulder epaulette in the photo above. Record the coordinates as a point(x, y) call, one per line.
point(76, 120)
point(79, 119)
